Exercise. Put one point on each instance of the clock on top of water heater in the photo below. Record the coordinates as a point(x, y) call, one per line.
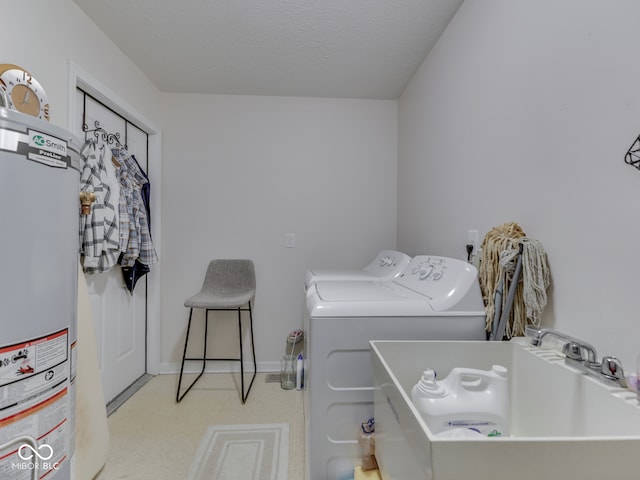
point(22, 92)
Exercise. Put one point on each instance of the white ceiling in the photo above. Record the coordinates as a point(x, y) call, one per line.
point(309, 48)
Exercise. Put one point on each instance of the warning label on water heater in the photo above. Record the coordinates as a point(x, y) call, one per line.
point(35, 402)
point(32, 366)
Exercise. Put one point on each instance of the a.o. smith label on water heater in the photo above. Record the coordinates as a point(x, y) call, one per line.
point(46, 149)
point(36, 146)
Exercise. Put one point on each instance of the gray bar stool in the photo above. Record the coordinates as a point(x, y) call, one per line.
point(228, 285)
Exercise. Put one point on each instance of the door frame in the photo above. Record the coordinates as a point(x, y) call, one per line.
point(80, 78)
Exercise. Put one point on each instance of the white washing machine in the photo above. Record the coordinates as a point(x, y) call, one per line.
point(387, 265)
point(433, 298)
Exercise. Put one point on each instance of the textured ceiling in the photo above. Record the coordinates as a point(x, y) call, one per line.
point(315, 48)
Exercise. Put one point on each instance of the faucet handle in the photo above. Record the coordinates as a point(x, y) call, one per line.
point(612, 368)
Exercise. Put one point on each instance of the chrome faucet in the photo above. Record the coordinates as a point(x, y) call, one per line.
point(609, 370)
point(572, 345)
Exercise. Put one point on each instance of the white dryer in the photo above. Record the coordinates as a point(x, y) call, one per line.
point(387, 265)
point(433, 298)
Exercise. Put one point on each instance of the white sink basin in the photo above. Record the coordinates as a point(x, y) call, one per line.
point(564, 424)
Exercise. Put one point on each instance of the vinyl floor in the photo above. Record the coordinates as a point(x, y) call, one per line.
point(153, 437)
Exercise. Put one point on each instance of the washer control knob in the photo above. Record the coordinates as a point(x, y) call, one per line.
point(425, 272)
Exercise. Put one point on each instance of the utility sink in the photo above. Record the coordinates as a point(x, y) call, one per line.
point(564, 423)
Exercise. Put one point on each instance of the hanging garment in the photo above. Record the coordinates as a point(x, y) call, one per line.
point(135, 237)
point(145, 191)
point(131, 275)
point(99, 238)
point(111, 179)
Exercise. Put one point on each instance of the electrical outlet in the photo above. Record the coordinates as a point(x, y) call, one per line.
point(290, 240)
point(472, 239)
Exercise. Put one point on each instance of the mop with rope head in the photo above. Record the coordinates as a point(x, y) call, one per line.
point(509, 256)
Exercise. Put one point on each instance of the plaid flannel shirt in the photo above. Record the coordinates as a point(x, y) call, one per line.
point(99, 242)
point(135, 237)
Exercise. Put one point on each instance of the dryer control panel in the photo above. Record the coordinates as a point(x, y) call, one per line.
point(388, 261)
point(446, 282)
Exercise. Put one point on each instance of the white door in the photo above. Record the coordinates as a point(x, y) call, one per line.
point(119, 315)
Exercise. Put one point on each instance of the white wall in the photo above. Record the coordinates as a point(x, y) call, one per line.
point(323, 169)
point(58, 31)
point(239, 172)
point(62, 42)
point(523, 112)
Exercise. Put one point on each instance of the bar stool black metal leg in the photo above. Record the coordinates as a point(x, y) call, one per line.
point(184, 356)
point(241, 356)
point(253, 348)
point(253, 351)
point(244, 395)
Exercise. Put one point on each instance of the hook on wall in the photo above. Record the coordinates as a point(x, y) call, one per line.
point(99, 132)
point(632, 156)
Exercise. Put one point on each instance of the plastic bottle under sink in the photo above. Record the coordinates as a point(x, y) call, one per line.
point(467, 399)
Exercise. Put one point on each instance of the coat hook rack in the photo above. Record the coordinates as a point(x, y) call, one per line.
point(99, 132)
point(633, 154)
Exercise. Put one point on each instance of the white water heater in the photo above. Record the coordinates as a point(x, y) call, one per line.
point(39, 205)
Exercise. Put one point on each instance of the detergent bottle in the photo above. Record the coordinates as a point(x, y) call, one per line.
point(468, 401)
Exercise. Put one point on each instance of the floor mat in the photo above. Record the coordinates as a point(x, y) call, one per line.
point(242, 452)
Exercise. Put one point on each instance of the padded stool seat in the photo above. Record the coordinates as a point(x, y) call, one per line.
point(210, 300)
point(228, 285)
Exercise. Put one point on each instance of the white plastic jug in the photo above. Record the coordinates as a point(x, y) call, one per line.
point(477, 400)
